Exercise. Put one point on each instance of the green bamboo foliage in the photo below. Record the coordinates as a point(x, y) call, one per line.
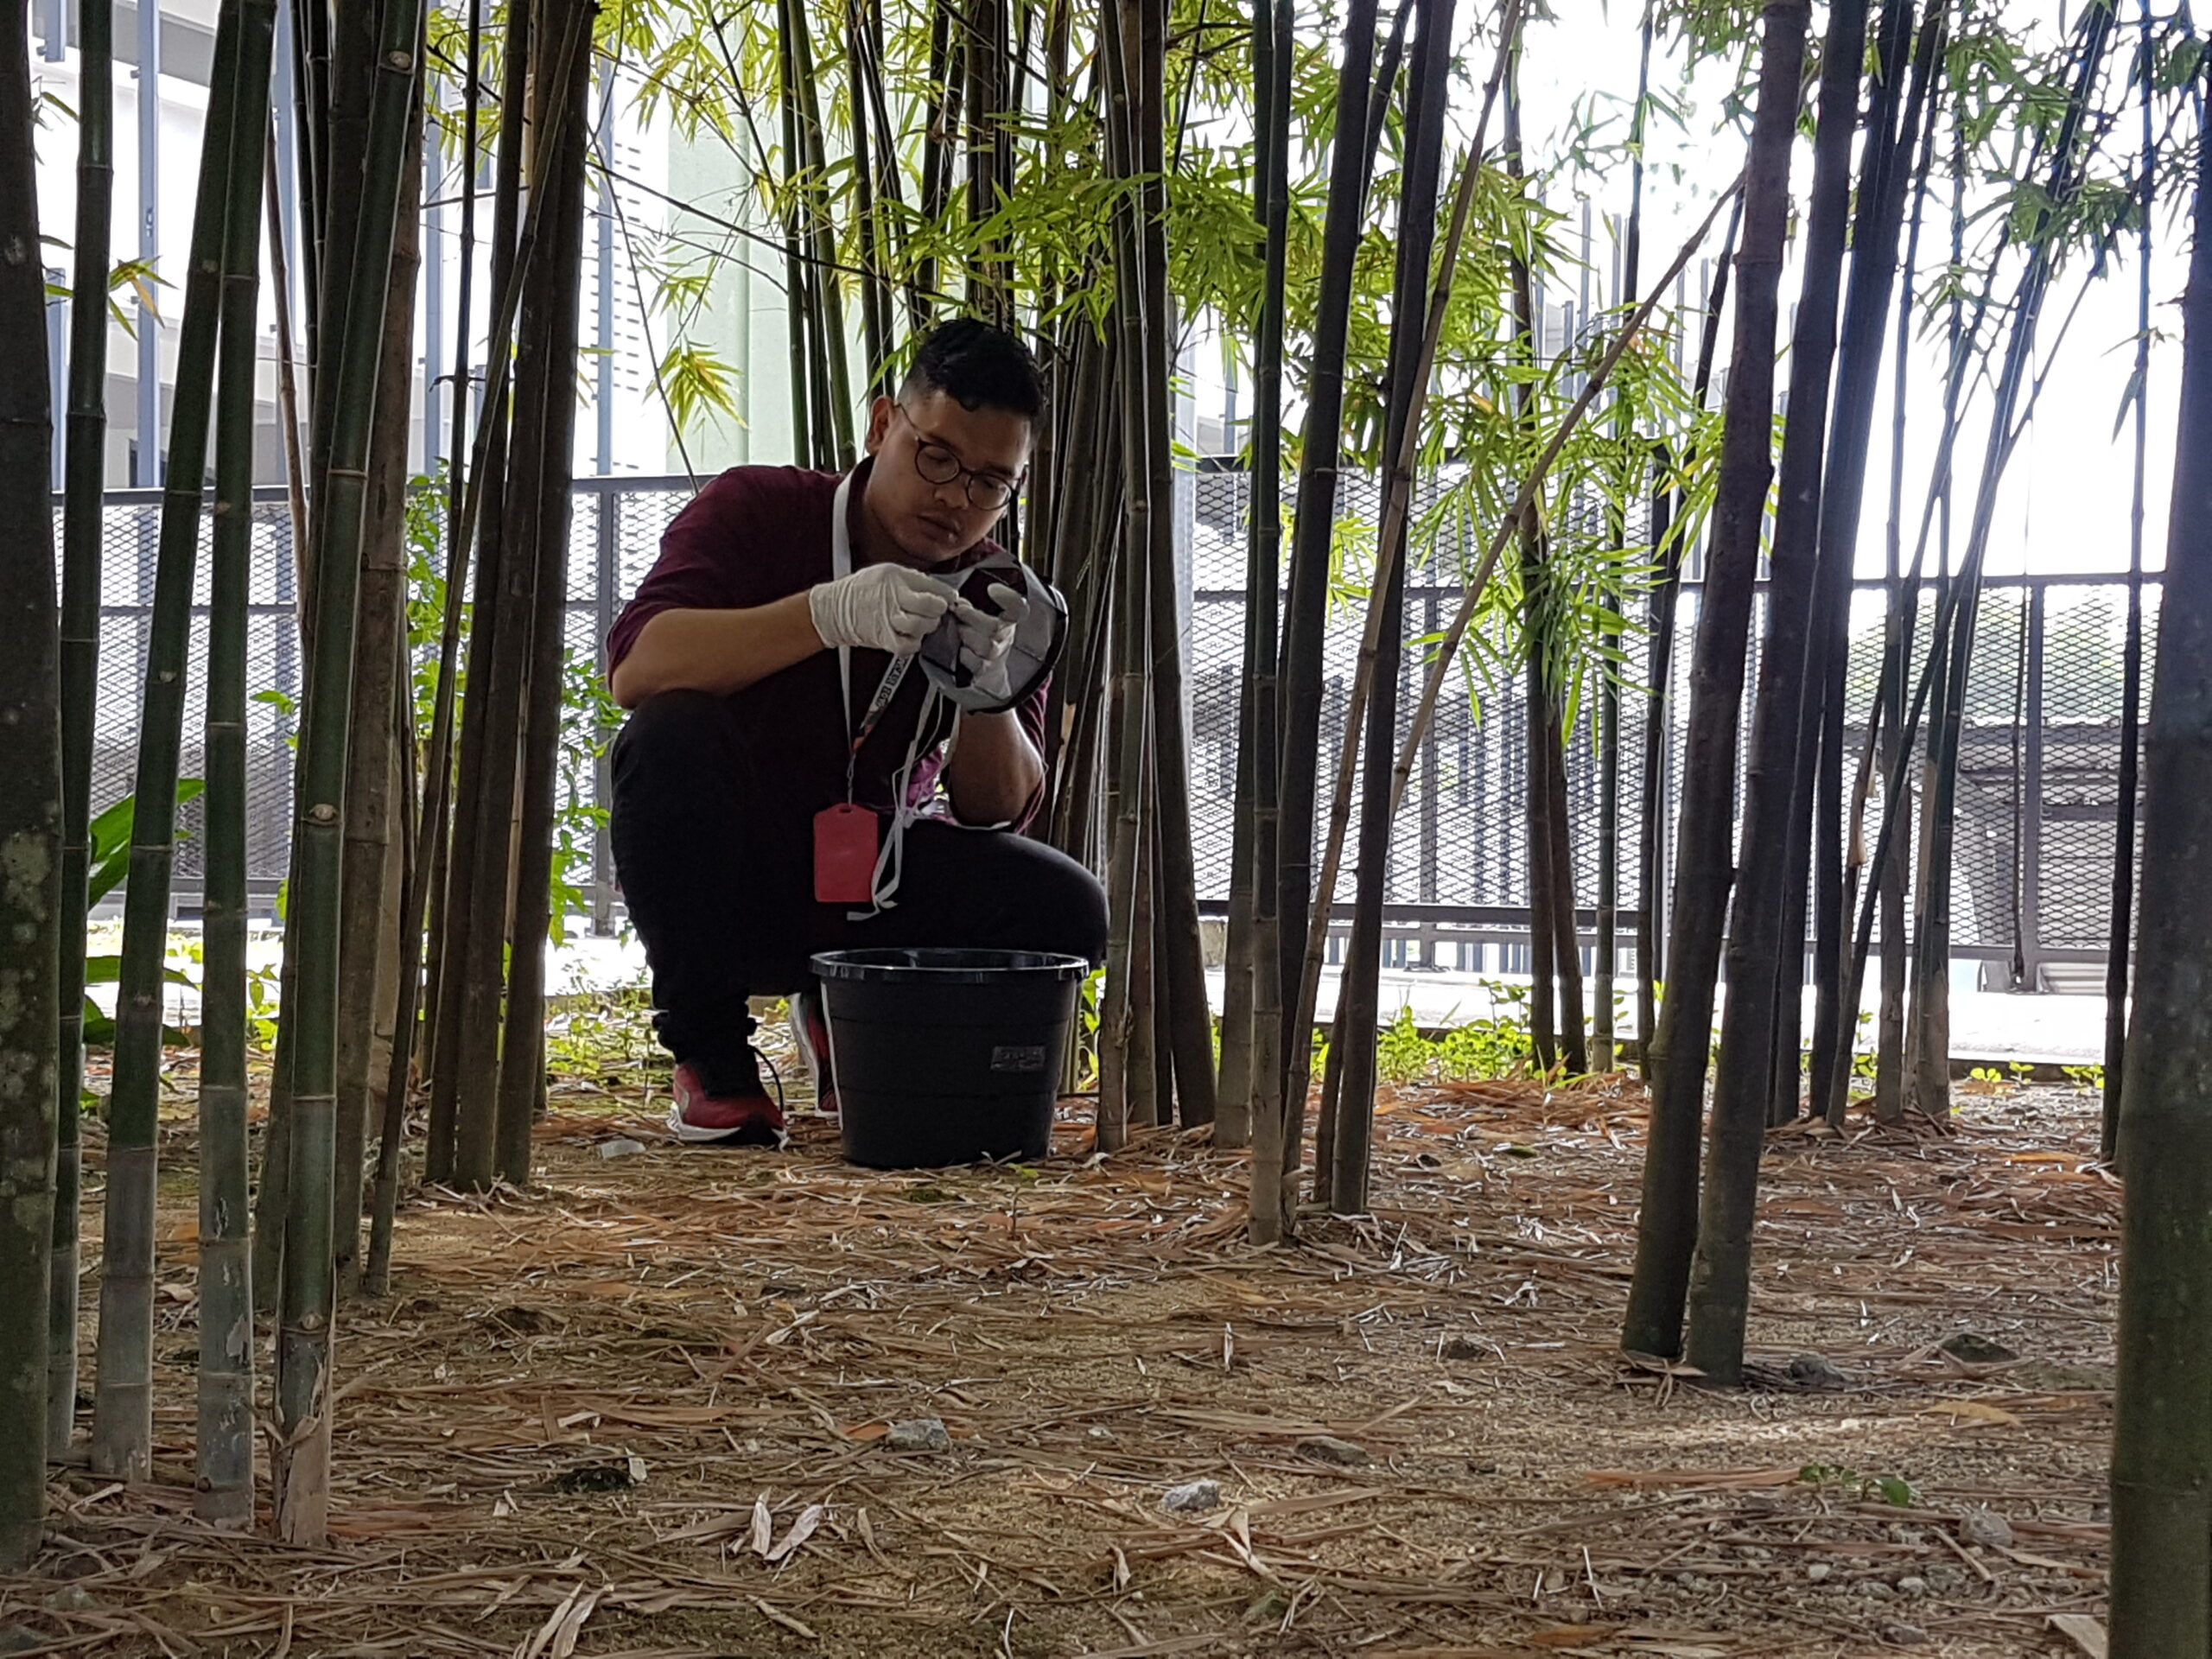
point(31, 915)
point(123, 1400)
point(2162, 1436)
point(224, 1492)
point(303, 1349)
point(81, 525)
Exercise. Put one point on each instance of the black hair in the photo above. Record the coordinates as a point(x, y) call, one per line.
point(980, 366)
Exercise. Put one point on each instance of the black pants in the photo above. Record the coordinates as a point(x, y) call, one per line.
point(717, 867)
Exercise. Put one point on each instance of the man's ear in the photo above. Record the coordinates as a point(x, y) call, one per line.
point(879, 422)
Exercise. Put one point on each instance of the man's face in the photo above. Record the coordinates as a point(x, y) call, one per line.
point(978, 454)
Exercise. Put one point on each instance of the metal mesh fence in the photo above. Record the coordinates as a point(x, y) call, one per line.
point(2039, 741)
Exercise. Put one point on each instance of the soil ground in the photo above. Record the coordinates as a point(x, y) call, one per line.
point(646, 1408)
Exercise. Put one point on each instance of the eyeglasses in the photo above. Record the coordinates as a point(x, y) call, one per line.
point(938, 465)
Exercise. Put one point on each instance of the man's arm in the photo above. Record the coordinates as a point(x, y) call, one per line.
point(716, 651)
point(993, 771)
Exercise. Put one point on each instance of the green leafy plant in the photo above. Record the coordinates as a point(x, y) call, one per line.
point(1890, 1489)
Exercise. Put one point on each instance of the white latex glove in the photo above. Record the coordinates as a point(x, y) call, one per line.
point(878, 608)
point(985, 639)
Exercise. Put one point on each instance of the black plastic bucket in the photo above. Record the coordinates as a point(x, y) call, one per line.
point(947, 1056)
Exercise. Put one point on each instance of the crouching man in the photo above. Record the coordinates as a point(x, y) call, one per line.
point(754, 659)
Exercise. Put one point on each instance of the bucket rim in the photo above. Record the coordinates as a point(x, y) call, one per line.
point(890, 965)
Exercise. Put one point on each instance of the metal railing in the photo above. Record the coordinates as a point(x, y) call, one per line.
point(2039, 760)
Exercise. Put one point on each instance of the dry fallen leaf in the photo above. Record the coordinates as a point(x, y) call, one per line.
point(2084, 1632)
point(802, 1529)
point(764, 1527)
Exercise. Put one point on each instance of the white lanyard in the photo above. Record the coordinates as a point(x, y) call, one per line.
point(841, 566)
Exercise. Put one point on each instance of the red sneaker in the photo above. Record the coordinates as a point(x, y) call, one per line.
point(811, 1029)
point(698, 1117)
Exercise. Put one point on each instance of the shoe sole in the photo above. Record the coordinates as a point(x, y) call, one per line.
point(691, 1134)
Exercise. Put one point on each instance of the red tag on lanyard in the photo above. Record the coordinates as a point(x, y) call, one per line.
point(846, 838)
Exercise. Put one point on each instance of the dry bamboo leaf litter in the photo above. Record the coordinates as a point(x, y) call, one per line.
point(747, 1327)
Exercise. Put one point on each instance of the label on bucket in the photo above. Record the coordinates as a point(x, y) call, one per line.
point(1016, 1056)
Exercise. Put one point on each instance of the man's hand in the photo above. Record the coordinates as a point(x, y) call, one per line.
point(880, 608)
point(985, 638)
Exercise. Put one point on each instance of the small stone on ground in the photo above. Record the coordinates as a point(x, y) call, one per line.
point(1904, 1635)
point(920, 1434)
point(1464, 1348)
point(1986, 1527)
point(620, 1146)
point(1816, 1371)
point(1327, 1448)
point(1196, 1497)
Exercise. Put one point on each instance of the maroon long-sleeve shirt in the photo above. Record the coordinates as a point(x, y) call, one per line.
point(759, 534)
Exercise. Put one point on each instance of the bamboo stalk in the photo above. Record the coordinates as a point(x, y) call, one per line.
point(1179, 980)
point(1667, 1225)
point(1884, 175)
point(31, 814)
point(1719, 1284)
point(1125, 1084)
point(83, 512)
point(483, 516)
point(1253, 896)
point(304, 1403)
point(122, 1401)
point(2122, 910)
point(539, 495)
point(1928, 1039)
point(1275, 1160)
point(1402, 447)
point(1416, 296)
point(1666, 592)
point(223, 1494)
point(2162, 1437)
point(374, 771)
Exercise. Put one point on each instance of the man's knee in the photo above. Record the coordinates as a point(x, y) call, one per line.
point(1075, 902)
point(670, 728)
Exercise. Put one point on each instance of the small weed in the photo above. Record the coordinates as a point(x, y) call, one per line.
point(1891, 1489)
point(2090, 1079)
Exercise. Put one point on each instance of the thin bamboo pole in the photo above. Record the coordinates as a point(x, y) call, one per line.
point(445, 990)
point(1275, 1163)
point(1126, 1085)
point(2122, 910)
point(123, 1399)
point(1666, 592)
point(84, 473)
point(539, 494)
point(1411, 358)
point(1885, 176)
point(1254, 925)
point(1180, 979)
point(304, 1401)
point(30, 820)
point(223, 1494)
point(372, 762)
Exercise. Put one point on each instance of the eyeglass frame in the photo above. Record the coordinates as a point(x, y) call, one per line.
point(967, 476)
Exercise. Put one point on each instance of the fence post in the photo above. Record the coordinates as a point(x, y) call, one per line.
point(606, 576)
